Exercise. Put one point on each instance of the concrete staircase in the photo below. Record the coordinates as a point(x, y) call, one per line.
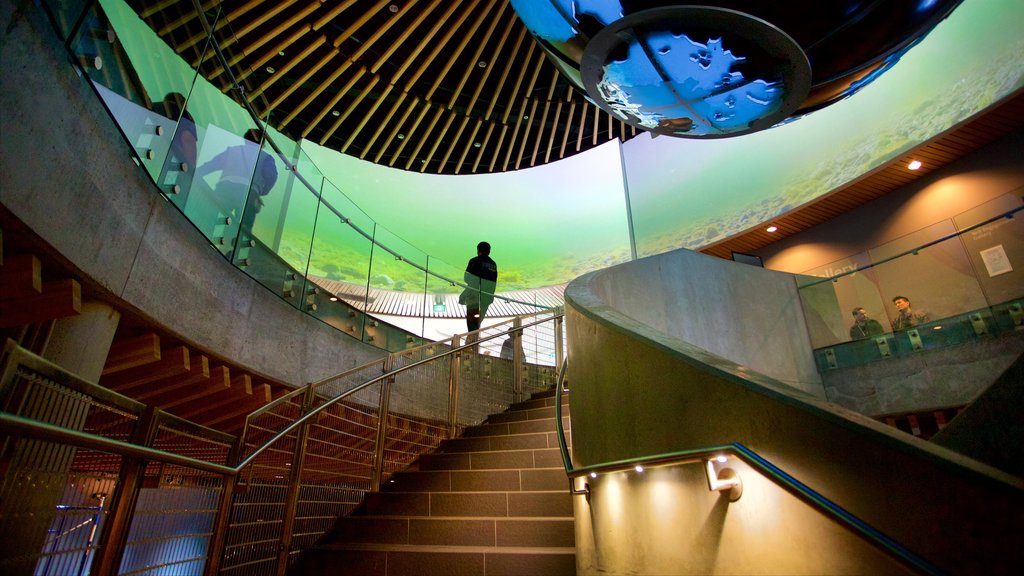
point(494, 502)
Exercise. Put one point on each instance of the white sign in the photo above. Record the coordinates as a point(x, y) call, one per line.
point(996, 261)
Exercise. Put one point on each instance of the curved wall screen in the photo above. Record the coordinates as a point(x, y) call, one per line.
point(689, 194)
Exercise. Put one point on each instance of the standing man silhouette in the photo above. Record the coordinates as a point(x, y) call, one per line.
point(481, 278)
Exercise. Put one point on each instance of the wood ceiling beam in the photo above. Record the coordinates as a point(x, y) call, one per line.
point(131, 352)
point(21, 275)
point(57, 299)
point(172, 363)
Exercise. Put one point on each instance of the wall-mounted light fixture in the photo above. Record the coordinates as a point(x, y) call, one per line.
point(725, 480)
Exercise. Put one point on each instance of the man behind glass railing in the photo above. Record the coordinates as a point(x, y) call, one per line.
point(864, 327)
point(905, 317)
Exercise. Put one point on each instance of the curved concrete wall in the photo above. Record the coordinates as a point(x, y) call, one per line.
point(66, 172)
point(639, 390)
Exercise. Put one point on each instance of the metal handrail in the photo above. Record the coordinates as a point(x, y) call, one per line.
point(31, 428)
point(1007, 215)
point(774, 473)
point(312, 413)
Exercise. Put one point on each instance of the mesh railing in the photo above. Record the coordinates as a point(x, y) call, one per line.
point(96, 480)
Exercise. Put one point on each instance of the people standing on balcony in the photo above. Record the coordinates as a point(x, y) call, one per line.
point(864, 327)
point(246, 171)
point(905, 316)
point(481, 278)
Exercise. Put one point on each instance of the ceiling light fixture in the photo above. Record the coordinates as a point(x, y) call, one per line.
point(771, 228)
point(335, 113)
point(482, 64)
point(639, 469)
point(914, 165)
point(271, 70)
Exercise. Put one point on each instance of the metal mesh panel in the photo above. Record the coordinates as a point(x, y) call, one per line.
point(254, 534)
point(485, 388)
point(171, 528)
point(338, 465)
point(257, 513)
point(53, 495)
point(418, 412)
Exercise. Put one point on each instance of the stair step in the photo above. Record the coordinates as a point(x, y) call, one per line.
point(394, 560)
point(530, 479)
point(494, 460)
point(466, 504)
point(545, 413)
point(500, 532)
point(539, 403)
point(524, 427)
point(509, 442)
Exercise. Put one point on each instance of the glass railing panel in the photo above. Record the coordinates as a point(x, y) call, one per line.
point(124, 61)
point(828, 306)
point(65, 14)
point(397, 285)
point(996, 249)
point(232, 176)
point(339, 266)
point(444, 316)
point(938, 280)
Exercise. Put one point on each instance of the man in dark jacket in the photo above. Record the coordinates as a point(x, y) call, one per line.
point(482, 278)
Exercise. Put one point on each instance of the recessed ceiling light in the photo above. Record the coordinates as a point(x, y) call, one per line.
point(393, 8)
point(771, 228)
point(401, 136)
point(639, 468)
point(482, 64)
point(336, 113)
point(271, 70)
point(914, 165)
point(281, 53)
point(476, 144)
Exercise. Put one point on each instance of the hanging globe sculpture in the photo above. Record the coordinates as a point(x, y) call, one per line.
point(722, 69)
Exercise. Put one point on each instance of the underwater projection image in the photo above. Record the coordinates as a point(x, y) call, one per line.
point(690, 194)
point(546, 225)
point(550, 224)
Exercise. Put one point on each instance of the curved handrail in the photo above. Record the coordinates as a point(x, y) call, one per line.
point(312, 413)
point(35, 429)
point(774, 473)
point(1007, 215)
point(777, 475)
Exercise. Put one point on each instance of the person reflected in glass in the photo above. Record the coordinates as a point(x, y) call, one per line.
point(181, 155)
point(864, 327)
point(246, 171)
point(905, 316)
point(481, 279)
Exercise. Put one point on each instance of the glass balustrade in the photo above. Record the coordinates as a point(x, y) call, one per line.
point(953, 282)
point(251, 190)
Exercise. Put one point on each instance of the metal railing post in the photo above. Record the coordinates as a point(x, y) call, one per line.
point(114, 536)
point(517, 360)
point(559, 345)
point(291, 502)
point(382, 424)
point(453, 389)
point(222, 520)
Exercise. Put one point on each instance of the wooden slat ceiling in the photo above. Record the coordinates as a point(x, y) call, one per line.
point(433, 86)
point(454, 87)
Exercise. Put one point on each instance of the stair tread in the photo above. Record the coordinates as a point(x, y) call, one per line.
point(447, 548)
point(456, 518)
